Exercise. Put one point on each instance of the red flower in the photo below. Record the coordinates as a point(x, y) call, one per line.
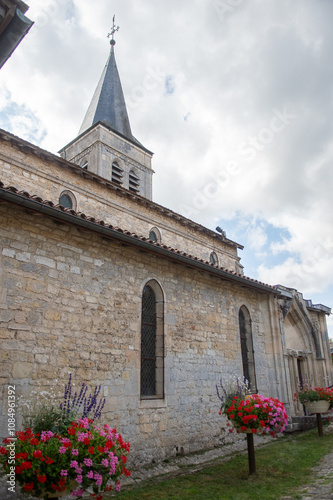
point(18, 469)
point(49, 461)
point(126, 472)
point(254, 431)
point(108, 444)
point(100, 449)
point(86, 441)
point(91, 450)
point(34, 442)
point(71, 431)
point(42, 479)
point(28, 486)
point(38, 454)
point(26, 465)
point(243, 428)
point(3, 450)
point(230, 430)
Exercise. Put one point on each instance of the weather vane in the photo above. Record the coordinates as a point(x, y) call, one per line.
point(113, 31)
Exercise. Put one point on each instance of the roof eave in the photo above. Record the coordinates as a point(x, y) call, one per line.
point(131, 239)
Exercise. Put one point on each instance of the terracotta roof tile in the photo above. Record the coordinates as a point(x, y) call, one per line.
point(82, 216)
point(43, 154)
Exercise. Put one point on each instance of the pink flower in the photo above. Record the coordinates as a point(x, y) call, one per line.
point(90, 475)
point(88, 462)
point(75, 452)
point(62, 449)
point(45, 435)
point(77, 493)
point(64, 473)
point(85, 422)
point(79, 479)
point(105, 462)
point(74, 464)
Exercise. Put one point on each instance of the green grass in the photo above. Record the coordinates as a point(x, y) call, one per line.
point(282, 467)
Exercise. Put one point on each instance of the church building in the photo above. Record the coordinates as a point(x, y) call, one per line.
point(99, 280)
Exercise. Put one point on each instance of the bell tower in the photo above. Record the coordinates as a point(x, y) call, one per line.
point(105, 144)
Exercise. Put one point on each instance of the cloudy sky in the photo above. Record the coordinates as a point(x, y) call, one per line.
point(234, 97)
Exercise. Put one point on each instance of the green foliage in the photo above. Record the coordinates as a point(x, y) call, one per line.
point(49, 417)
point(311, 394)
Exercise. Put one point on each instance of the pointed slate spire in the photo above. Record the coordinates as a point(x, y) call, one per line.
point(108, 103)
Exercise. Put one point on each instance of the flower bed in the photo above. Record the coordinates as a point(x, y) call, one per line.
point(83, 457)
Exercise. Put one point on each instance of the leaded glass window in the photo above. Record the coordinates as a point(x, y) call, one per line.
point(152, 342)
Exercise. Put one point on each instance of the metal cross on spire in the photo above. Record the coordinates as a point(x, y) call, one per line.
point(113, 31)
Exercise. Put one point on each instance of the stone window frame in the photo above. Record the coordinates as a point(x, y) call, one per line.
point(155, 231)
point(72, 198)
point(213, 259)
point(159, 350)
point(247, 350)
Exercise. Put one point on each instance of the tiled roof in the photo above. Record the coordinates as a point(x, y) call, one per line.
point(56, 211)
point(27, 147)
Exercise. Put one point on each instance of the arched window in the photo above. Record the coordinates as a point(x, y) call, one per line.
point(134, 182)
point(152, 342)
point(117, 174)
point(155, 235)
point(67, 200)
point(213, 259)
point(245, 331)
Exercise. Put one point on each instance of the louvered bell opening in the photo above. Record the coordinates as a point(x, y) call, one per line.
point(134, 183)
point(117, 174)
point(148, 343)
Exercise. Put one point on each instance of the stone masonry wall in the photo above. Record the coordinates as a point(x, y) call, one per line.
point(70, 301)
point(49, 179)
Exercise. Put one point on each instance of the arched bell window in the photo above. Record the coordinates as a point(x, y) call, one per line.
point(117, 174)
point(245, 331)
point(133, 182)
point(152, 342)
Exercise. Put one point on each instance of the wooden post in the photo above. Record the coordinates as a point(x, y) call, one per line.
point(250, 451)
point(319, 425)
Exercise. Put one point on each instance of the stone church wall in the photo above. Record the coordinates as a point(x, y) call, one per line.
point(70, 301)
point(48, 179)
